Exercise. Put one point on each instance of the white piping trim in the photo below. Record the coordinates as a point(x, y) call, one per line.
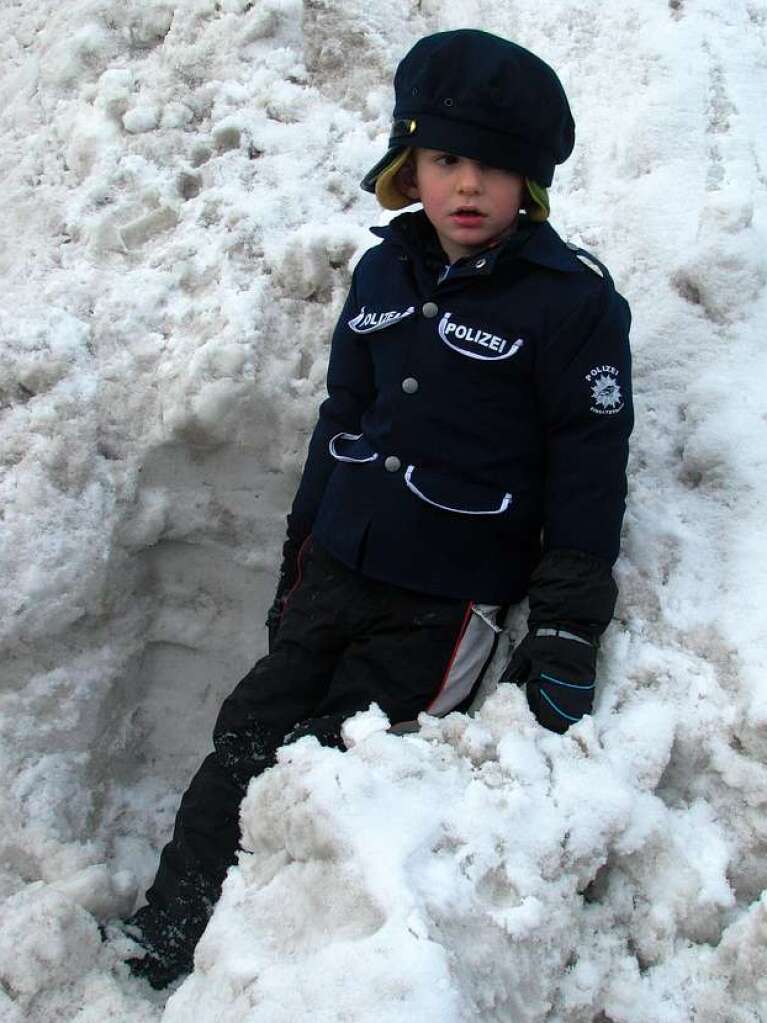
point(345, 458)
point(446, 507)
point(590, 263)
point(486, 358)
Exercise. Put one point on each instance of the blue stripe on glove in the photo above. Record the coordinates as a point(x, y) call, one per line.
point(557, 700)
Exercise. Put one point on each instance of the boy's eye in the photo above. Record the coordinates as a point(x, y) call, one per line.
point(447, 159)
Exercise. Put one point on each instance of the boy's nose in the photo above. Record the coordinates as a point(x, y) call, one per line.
point(470, 179)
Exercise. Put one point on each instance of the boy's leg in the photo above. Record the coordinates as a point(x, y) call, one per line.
point(282, 688)
point(345, 642)
point(188, 881)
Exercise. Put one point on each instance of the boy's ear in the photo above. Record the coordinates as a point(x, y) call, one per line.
point(406, 181)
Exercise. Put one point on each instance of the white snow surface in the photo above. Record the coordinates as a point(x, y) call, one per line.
point(179, 216)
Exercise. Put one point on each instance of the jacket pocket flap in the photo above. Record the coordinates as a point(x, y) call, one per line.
point(455, 493)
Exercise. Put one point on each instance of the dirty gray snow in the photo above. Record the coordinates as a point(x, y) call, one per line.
point(179, 217)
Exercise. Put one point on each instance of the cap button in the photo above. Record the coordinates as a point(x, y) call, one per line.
point(430, 309)
point(410, 385)
point(392, 463)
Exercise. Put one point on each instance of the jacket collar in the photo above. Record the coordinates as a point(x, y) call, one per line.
point(536, 243)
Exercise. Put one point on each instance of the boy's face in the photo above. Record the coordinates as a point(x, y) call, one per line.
point(470, 205)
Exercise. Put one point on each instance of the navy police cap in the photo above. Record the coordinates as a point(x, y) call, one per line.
point(476, 95)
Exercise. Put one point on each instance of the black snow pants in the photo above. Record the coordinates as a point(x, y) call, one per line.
point(344, 642)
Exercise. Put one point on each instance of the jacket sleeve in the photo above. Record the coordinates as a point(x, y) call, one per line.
point(585, 397)
point(350, 387)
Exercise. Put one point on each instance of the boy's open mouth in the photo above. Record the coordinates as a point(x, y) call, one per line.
point(467, 215)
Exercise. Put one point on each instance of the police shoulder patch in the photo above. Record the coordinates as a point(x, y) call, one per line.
point(605, 390)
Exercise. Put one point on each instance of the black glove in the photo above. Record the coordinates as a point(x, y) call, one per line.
point(288, 578)
point(558, 667)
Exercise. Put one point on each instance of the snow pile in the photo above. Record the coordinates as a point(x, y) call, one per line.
point(445, 880)
point(180, 215)
point(480, 870)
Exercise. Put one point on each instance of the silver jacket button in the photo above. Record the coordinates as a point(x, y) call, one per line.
point(430, 309)
point(410, 385)
point(392, 463)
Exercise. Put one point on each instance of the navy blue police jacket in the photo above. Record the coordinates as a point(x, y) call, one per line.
point(477, 416)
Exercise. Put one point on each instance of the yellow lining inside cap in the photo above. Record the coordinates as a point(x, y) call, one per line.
point(387, 193)
point(539, 209)
point(390, 197)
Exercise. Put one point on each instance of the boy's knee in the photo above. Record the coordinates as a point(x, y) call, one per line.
point(247, 751)
point(327, 730)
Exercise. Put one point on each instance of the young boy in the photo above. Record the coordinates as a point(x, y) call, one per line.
point(471, 451)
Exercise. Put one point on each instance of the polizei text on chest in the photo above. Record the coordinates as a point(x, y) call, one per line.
point(500, 347)
point(365, 322)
